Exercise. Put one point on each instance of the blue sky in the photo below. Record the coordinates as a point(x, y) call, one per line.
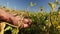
point(23, 4)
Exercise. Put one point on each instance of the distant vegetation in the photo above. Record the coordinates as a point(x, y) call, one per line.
point(42, 22)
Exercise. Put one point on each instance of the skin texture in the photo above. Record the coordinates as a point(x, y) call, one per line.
point(4, 16)
point(26, 22)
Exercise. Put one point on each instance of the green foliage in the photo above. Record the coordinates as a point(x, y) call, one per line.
point(42, 22)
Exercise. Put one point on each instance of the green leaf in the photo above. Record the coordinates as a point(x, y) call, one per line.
point(15, 31)
point(32, 4)
point(9, 27)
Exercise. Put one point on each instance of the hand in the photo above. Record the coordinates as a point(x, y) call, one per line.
point(26, 23)
point(4, 16)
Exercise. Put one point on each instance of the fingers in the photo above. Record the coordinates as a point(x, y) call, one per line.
point(26, 23)
point(14, 20)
